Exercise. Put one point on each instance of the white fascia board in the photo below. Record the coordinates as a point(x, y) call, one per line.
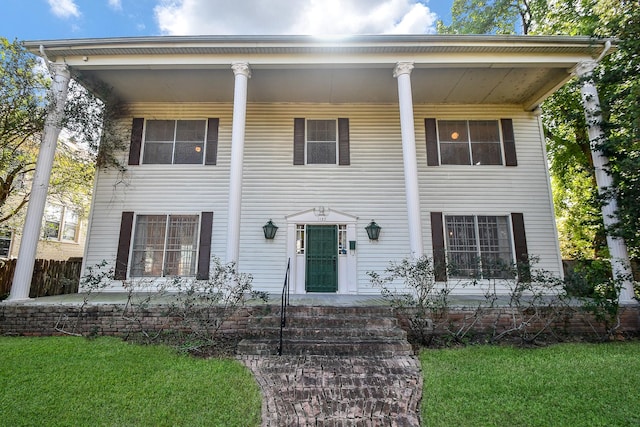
point(440, 60)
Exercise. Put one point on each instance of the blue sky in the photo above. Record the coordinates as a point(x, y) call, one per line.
point(68, 19)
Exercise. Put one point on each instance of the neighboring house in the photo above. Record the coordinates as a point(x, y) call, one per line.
point(63, 235)
point(64, 225)
point(438, 139)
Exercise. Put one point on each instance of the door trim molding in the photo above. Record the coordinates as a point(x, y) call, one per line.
point(347, 282)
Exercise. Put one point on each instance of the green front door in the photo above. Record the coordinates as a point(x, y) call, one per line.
point(322, 258)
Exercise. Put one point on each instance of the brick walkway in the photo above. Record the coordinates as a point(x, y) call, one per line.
point(315, 390)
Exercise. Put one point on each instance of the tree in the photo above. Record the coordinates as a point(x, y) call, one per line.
point(494, 16)
point(620, 93)
point(22, 113)
point(89, 126)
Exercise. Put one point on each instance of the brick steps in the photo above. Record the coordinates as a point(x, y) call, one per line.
point(327, 331)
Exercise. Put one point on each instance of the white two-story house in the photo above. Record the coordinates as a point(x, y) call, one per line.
point(437, 140)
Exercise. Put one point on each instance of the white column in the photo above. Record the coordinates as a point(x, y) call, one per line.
point(617, 248)
point(402, 72)
point(38, 197)
point(242, 75)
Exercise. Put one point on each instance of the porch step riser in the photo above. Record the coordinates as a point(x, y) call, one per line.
point(326, 348)
point(297, 321)
point(331, 333)
point(324, 311)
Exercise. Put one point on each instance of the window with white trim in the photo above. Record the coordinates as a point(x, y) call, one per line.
point(470, 142)
point(174, 142)
point(300, 228)
point(165, 245)
point(343, 244)
point(60, 223)
point(6, 237)
point(322, 141)
point(479, 246)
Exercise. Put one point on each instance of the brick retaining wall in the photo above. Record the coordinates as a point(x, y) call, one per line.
point(103, 319)
point(108, 319)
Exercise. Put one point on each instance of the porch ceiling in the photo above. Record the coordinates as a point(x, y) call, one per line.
point(452, 85)
point(448, 69)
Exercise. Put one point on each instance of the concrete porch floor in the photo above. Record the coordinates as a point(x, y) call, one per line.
point(315, 299)
point(121, 298)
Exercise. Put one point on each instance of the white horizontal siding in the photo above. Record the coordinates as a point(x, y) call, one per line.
point(161, 188)
point(372, 187)
point(493, 190)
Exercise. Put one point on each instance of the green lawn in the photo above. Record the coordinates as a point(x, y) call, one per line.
point(562, 385)
point(68, 381)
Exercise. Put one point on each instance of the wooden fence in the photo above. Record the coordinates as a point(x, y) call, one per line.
point(49, 277)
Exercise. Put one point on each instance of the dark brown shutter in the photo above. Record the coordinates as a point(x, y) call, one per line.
point(212, 142)
point(431, 135)
point(136, 141)
point(509, 141)
point(124, 242)
point(204, 255)
point(520, 243)
point(437, 240)
point(519, 237)
point(298, 141)
point(343, 142)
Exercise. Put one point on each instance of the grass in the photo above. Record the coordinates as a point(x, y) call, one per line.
point(69, 381)
point(562, 385)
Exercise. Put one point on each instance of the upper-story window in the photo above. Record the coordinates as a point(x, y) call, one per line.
point(168, 142)
point(469, 142)
point(321, 142)
point(60, 223)
point(174, 142)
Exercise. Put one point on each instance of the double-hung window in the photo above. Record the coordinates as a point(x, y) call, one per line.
point(165, 245)
point(470, 142)
point(60, 223)
point(479, 246)
point(174, 142)
point(6, 237)
point(322, 141)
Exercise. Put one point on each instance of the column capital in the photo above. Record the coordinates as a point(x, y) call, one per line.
point(585, 67)
point(402, 68)
point(59, 68)
point(241, 68)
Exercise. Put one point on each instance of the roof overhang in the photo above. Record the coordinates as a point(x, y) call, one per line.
point(516, 70)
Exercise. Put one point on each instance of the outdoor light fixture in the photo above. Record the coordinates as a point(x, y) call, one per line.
point(373, 230)
point(269, 230)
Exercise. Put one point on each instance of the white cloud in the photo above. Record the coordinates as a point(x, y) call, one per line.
point(115, 4)
point(64, 8)
point(193, 17)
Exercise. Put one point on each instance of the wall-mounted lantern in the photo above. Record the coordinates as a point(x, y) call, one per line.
point(373, 230)
point(269, 230)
